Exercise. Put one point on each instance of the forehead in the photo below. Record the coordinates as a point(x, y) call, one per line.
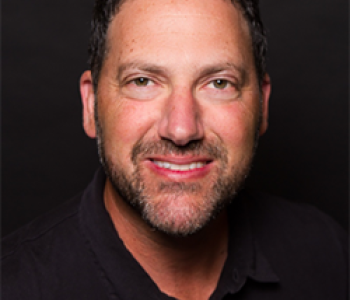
point(152, 8)
point(185, 26)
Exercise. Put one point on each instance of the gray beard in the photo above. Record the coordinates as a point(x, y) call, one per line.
point(134, 190)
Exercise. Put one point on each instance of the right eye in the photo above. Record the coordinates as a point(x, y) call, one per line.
point(220, 84)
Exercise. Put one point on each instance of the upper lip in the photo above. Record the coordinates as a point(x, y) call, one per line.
point(181, 160)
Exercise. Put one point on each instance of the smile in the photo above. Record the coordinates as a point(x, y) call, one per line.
point(176, 167)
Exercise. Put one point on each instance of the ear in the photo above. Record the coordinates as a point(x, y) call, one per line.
point(88, 101)
point(265, 91)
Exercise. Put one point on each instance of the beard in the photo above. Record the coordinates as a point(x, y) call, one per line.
point(177, 209)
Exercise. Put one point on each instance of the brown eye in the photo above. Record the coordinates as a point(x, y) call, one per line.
point(220, 83)
point(141, 81)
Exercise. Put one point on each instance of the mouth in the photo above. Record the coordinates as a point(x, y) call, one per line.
point(180, 167)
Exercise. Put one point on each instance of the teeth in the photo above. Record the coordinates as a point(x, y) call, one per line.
point(175, 167)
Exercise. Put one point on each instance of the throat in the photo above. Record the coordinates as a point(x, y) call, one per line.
point(186, 268)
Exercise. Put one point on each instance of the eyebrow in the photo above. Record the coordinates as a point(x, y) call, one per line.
point(148, 67)
point(217, 68)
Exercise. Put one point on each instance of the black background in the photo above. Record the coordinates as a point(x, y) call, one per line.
point(46, 158)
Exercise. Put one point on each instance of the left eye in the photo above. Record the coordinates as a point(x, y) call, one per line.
point(142, 81)
point(219, 83)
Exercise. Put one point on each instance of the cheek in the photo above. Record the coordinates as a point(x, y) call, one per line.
point(235, 125)
point(125, 124)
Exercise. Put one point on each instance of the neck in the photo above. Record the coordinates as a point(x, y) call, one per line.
point(182, 267)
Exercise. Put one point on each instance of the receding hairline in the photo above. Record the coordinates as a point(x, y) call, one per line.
point(118, 8)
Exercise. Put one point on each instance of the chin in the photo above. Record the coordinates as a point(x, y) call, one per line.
point(179, 215)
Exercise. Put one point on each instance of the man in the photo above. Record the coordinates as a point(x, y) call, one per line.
point(177, 97)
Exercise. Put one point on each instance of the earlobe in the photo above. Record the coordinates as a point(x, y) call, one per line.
point(265, 96)
point(88, 102)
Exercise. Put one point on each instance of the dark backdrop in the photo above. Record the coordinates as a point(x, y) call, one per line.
point(46, 157)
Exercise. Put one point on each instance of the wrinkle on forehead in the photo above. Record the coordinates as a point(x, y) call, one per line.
point(174, 17)
point(146, 10)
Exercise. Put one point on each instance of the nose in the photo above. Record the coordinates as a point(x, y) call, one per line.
point(181, 119)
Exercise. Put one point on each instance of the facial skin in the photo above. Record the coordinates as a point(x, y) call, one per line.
point(178, 109)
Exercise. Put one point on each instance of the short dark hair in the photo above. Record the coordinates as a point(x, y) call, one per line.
point(105, 10)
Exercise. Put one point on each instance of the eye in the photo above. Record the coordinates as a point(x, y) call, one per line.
point(220, 89)
point(140, 87)
point(220, 84)
point(142, 81)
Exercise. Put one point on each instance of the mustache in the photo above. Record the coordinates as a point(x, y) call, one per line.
point(166, 147)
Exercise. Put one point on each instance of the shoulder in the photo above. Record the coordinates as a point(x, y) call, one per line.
point(273, 212)
point(304, 245)
point(33, 253)
point(41, 228)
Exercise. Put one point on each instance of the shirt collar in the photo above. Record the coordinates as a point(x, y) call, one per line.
point(125, 278)
point(245, 258)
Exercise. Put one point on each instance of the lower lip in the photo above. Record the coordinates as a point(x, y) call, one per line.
point(177, 175)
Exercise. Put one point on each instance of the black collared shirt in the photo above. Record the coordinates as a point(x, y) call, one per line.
point(277, 250)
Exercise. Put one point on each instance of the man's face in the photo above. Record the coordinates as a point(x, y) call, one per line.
point(178, 109)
